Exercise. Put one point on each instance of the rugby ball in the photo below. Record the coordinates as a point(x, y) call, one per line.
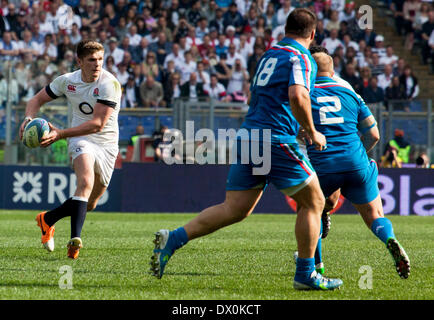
point(34, 131)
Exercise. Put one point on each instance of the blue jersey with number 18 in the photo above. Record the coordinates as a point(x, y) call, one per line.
point(337, 110)
point(283, 65)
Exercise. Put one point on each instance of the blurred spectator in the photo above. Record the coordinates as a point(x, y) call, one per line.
point(218, 22)
point(349, 75)
point(221, 47)
point(379, 46)
point(45, 26)
point(187, 67)
point(131, 94)
point(194, 15)
point(401, 145)
point(140, 52)
point(422, 161)
point(192, 39)
point(75, 33)
point(150, 66)
point(172, 88)
point(284, 12)
point(48, 47)
point(390, 158)
point(390, 57)
point(238, 77)
point(174, 56)
point(231, 38)
point(332, 42)
point(385, 79)
point(134, 37)
point(114, 51)
point(122, 75)
point(372, 93)
point(427, 29)
point(348, 13)
point(410, 83)
point(202, 75)
point(369, 36)
point(161, 48)
point(9, 49)
point(431, 44)
point(375, 66)
point(28, 46)
point(110, 65)
point(396, 91)
point(333, 22)
point(233, 55)
point(222, 70)
point(202, 28)
point(134, 139)
point(254, 59)
point(398, 70)
point(121, 28)
point(270, 16)
point(192, 89)
point(396, 6)
point(151, 93)
point(233, 18)
point(214, 89)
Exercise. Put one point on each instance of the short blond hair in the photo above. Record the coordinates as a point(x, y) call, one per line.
point(324, 62)
point(87, 47)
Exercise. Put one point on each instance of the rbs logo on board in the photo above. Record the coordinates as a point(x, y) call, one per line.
point(28, 187)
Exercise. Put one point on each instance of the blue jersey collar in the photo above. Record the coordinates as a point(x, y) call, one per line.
point(323, 79)
point(293, 43)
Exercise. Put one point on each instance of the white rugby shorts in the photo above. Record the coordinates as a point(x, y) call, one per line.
point(103, 155)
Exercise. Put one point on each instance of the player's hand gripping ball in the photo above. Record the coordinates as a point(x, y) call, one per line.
point(34, 131)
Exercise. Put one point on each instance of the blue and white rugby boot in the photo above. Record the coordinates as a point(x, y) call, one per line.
point(162, 253)
point(317, 282)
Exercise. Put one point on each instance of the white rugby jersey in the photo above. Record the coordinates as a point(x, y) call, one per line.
point(83, 96)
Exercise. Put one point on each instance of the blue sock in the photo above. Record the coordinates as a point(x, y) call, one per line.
point(304, 269)
point(382, 228)
point(318, 255)
point(178, 238)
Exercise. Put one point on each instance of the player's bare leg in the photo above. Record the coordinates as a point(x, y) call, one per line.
point(237, 206)
point(373, 216)
point(97, 192)
point(310, 202)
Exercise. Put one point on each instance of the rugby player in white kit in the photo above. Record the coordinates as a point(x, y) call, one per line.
point(94, 95)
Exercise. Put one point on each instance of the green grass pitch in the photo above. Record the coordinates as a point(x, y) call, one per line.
point(251, 260)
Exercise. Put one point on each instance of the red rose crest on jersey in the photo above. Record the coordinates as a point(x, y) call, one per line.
point(71, 88)
point(96, 92)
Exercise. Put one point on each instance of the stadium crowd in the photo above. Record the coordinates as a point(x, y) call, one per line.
point(160, 50)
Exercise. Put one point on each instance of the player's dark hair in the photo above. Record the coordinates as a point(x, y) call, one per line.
point(300, 22)
point(316, 49)
point(87, 47)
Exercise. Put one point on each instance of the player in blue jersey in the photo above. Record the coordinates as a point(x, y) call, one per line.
point(340, 114)
point(279, 104)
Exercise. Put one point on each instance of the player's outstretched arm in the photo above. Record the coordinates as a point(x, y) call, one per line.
point(299, 100)
point(370, 133)
point(102, 114)
point(32, 108)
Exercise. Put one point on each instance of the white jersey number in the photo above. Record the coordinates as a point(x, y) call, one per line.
point(335, 108)
point(267, 71)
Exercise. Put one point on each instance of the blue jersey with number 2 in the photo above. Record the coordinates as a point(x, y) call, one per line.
point(337, 110)
point(285, 64)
